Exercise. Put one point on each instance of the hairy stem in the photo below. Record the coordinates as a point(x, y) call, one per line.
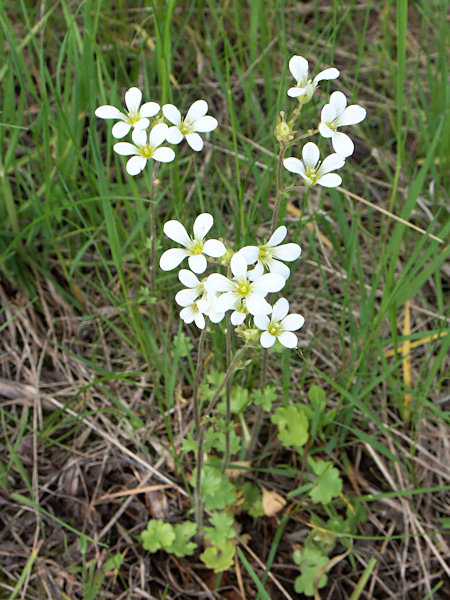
point(198, 504)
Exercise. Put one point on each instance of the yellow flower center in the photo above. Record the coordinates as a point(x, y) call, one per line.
point(264, 254)
point(311, 172)
point(133, 117)
point(146, 151)
point(186, 127)
point(275, 328)
point(196, 246)
point(243, 287)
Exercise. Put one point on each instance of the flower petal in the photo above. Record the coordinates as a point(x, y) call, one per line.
point(287, 252)
point(158, 134)
point(295, 92)
point(327, 74)
point(331, 163)
point(172, 114)
point(277, 236)
point(257, 305)
point(218, 283)
point(133, 98)
point(293, 322)
point(141, 124)
point(164, 154)
point(237, 318)
point(342, 144)
point(352, 115)
point(214, 248)
point(270, 282)
point(250, 254)
point(172, 258)
point(256, 272)
point(202, 225)
point(238, 266)
point(186, 297)
point(197, 263)
point(294, 165)
point(120, 129)
point(288, 339)
point(194, 141)
point(279, 268)
point(206, 124)
point(280, 309)
point(125, 148)
point(177, 232)
point(330, 180)
point(108, 112)
point(267, 340)
point(298, 66)
point(310, 154)
point(149, 109)
point(338, 101)
point(139, 137)
point(188, 278)
point(174, 135)
point(325, 131)
point(225, 302)
point(135, 165)
point(197, 111)
point(199, 320)
point(328, 113)
point(261, 322)
point(188, 314)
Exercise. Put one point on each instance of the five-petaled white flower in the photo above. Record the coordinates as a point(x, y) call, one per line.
point(144, 148)
point(241, 288)
point(266, 255)
point(337, 114)
point(136, 115)
point(312, 170)
point(195, 122)
point(279, 326)
point(194, 247)
point(304, 90)
point(193, 312)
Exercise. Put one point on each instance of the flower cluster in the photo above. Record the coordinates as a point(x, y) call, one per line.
point(147, 144)
point(243, 291)
point(335, 114)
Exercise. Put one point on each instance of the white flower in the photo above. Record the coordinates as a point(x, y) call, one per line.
point(195, 121)
point(192, 312)
point(312, 170)
point(194, 247)
point(194, 288)
point(265, 256)
point(305, 87)
point(144, 149)
point(279, 326)
point(208, 305)
point(337, 114)
point(136, 115)
point(241, 288)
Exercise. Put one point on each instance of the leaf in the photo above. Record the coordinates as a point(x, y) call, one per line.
point(265, 398)
point(181, 545)
point(216, 490)
point(328, 484)
point(189, 444)
point(157, 535)
point(292, 425)
point(311, 560)
point(113, 563)
point(222, 528)
point(252, 500)
point(220, 557)
point(239, 399)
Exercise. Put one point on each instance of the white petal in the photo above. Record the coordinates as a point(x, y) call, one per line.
point(342, 144)
point(214, 248)
point(149, 109)
point(186, 297)
point(197, 111)
point(295, 92)
point(277, 236)
point(133, 99)
point(267, 340)
point(172, 113)
point(338, 101)
point(280, 309)
point(238, 266)
point(293, 322)
point(288, 339)
point(205, 124)
point(176, 232)
point(294, 165)
point(188, 278)
point(197, 263)
point(325, 131)
point(331, 163)
point(250, 254)
point(135, 165)
point(139, 137)
point(164, 154)
point(256, 272)
point(199, 320)
point(172, 258)
point(279, 268)
point(261, 322)
point(120, 129)
point(328, 113)
point(226, 302)
point(202, 225)
point(214, 315)
point(174, 135)
point(327, 74)
point(218, 283)
point(158, 134)
point(237, 318)
point(256, 305)
point(298, 66)
point(141, 124)
point(125, 148)
point(330, 180)
point(310, 154)
point(194, 141)
point(270, 282)
point(352, 115)
point(287, 252)
point(188, 314)
point(108, 112)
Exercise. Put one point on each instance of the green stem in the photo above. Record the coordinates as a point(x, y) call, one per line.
point(227, 454)
point(153, 231)
point(259, 411)
point(276, 208)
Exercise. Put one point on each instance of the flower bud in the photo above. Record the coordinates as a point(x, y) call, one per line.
point(250, 336)
point(284, 129)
